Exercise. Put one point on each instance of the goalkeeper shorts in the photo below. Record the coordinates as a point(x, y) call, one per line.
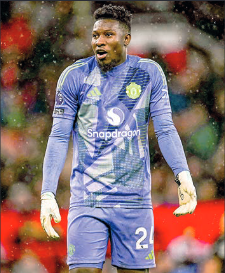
point(130, 231)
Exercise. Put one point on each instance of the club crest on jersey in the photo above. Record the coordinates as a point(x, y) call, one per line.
point(71, 249)
point(133, 90)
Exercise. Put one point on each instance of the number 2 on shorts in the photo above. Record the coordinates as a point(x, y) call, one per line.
point(142, 238)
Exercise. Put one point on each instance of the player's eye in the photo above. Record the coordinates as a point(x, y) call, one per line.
point(94, 36)
point(108, 34)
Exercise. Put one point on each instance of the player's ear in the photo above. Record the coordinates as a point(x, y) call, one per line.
point(127, 39)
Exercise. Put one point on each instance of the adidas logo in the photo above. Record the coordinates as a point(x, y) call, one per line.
point(150, 256)
point(94, 93)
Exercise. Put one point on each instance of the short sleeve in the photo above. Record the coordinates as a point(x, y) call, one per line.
point(66, 98)
point(159, 101)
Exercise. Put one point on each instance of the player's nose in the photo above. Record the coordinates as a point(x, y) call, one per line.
point(100, 41)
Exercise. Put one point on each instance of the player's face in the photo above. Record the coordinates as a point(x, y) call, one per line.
point(109, 41)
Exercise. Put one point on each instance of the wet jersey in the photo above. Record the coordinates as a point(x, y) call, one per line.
point(111, 112)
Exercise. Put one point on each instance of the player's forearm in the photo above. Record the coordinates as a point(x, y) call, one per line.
point(55, 155)
point(54, 161)
point(170, 143)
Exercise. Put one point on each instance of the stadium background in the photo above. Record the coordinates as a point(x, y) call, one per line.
point(38, 40)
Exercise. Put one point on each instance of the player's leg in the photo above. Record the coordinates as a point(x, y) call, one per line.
point(132, 232)
point(87, 240)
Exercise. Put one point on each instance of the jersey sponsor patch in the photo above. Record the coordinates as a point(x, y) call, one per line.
point(58, 111)
point(115, 116)
point(59, 98)
point(114, 134)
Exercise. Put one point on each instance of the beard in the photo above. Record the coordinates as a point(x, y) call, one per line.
point(107, 67)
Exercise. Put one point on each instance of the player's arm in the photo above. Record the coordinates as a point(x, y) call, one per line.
point(64, 114)
point(169, 141)
point(53, 164)
point(172, 150)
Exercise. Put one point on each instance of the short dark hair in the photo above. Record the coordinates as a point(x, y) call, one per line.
point(118, 13)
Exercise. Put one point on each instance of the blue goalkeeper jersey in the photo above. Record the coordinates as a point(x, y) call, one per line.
point(111, 112)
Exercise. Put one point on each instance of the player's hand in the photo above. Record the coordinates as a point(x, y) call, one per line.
point(49, 210)
point(186, 194)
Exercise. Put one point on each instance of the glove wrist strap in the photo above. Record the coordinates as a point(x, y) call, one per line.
point(47, 196)
point(177, 180)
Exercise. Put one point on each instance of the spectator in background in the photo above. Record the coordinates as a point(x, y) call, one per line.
point(187, 253)
point(184, 254)
point(28, 263)
point(215, 263)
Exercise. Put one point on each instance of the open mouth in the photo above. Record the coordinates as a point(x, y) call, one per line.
point(101, 54)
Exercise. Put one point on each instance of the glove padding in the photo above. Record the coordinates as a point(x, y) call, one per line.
point(49, 210)
point(186, 194)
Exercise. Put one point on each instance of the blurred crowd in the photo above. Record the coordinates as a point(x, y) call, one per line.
point(39, 39)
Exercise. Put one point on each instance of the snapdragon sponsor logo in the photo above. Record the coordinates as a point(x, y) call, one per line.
point(114, 134)
point(115, 116)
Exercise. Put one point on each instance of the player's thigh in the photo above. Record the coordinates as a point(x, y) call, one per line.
point(87, 239)
point(132, 233)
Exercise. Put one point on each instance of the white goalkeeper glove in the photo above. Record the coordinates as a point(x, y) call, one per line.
point(49, 210)
point(186, 194)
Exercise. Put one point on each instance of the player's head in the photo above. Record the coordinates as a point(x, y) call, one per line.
point(111, 35)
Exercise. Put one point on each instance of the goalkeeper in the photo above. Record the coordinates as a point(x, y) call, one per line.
point(106, 102)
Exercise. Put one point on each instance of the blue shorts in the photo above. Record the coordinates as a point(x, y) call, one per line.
point(131, 233)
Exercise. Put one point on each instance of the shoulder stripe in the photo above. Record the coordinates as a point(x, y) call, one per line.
point(66, 72)
point(146, 60)
point(157, 65)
